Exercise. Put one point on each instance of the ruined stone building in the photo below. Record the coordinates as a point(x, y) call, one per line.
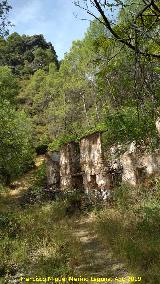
point(84, 166)
point(80, 166)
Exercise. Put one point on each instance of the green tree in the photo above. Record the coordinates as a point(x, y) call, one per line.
point(8, 85)
point(140, 18)
point(97, 78)
point(26, 54)
point(16, 152)
point(33, 100)
point(4, 23)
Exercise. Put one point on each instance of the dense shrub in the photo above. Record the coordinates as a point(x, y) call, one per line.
point(37, 192)
point(132, 125)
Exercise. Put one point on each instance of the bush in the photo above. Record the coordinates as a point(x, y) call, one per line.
point(41, 149)
point(76, 202)
point(131, 126)
point(37, 193)
point(63, 139)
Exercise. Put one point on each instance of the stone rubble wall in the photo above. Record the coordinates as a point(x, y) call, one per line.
point(146, 165)
point(70, 167)
point(65, 168)
point(86, 166)
point(53, 169)
point(136, 165)
point(95, 171)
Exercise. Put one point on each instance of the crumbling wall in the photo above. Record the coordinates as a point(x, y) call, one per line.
point(70, 170)
point(148, 165)
point(136, 164)
point(128, 163)
point(158, 125)
point(53, 169)
point(82, 165)
point(95, 171)
point(112, 156)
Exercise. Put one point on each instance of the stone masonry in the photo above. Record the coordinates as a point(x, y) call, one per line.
point(53, 169)
point(95, 172)
point(70, 170)
point(82, 166)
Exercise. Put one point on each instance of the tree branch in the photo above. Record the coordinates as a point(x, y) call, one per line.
point(108, 26)
point(155, 6)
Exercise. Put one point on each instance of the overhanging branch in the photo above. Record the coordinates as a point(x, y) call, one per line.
point(116, 35)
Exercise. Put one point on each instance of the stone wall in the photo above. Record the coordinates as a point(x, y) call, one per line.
point(95, 171)
point(70, 170)
point(83, 166)
point(53, 169)
point(136, 163)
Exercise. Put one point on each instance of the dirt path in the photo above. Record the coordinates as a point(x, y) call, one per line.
point(97, 261)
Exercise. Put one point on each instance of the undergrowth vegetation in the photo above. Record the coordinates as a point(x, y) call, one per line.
point(36, 193)
point(36, 231)
point(131, 227)
point(36, 240)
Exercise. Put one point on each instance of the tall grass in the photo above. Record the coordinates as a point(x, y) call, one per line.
point(131, 227)
point(36, 237)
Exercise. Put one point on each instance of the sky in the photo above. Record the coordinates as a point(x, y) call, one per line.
point(53, 18)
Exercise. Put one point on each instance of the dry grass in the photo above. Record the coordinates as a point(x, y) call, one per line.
point(131, 228)
point(41, 239)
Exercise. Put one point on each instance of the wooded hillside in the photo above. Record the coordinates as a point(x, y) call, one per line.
point(107, 82)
